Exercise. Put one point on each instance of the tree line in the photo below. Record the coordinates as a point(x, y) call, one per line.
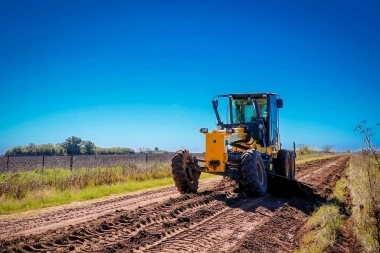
point(304, 149)
point(71, 146)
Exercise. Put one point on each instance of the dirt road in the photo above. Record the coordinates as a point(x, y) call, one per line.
point(216, 219)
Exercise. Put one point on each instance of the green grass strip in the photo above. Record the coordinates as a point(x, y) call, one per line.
point(53, 197)
point(309, 159)
point(323, 228)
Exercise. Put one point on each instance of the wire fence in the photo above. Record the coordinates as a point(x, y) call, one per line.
point(26, 163)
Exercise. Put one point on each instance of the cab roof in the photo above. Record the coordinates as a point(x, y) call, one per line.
point(252, 95)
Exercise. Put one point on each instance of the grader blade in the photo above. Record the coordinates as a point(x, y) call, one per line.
point(285, 187)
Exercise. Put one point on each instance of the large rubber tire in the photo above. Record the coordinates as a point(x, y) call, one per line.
point(292, 165)
point(282, 165)
point(253, 178)
point(184, 172)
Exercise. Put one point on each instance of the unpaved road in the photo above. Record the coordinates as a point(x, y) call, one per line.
point(216, 219)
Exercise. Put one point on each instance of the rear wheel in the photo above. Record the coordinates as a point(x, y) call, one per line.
point(253, 178)
point(184, 172)
point(283, 165)
point(292, 162)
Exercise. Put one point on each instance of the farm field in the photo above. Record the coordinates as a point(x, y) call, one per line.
point(25, 163)
point(216, 219)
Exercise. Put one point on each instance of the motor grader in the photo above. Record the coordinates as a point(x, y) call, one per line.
point(247, 148)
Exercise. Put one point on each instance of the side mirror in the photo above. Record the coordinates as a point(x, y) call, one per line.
point(279, 103)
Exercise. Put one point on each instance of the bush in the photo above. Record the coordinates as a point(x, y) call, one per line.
point(304, 150)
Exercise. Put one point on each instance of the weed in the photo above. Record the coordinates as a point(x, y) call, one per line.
point(305, 150)
point(322, 228)
point(364, 182)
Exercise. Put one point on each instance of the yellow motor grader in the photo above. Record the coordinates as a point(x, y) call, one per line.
point(246, 148)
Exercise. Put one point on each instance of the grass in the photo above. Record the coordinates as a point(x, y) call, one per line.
point(364, 180)
point(309, 158)
point(340, 190)
point(18, 185)
point(323, 226)
point(32, 190)
point(54, 197)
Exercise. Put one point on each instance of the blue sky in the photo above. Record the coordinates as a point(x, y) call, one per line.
point(143, 73)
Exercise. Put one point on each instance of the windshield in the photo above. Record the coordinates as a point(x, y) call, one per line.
point(243, 111)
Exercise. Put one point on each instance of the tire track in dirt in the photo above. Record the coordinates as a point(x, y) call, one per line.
point(219, 231)
point(78, 214)
point(322, 175)
point(282, 233)
point(216, 219)
point(125, 225)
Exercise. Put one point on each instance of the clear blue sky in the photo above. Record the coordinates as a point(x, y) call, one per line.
point(143, 73)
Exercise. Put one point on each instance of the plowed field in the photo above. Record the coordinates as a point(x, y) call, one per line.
point(216, 219)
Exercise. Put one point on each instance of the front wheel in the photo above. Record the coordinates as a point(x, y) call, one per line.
point(184, 171)
point(253, 177)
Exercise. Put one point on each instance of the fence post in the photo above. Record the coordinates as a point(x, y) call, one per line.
point(8, 162)
point(71, 162)
point(43, 162)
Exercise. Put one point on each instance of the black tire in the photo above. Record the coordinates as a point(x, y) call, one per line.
point(184, 172)
point(253, 178)
point(282, 165)
point(292, 161)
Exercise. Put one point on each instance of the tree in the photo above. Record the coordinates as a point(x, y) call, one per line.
point(328, 149)
point(72, 145)
point(144, 150)
point(88, 148)
point(46, 149)
point(156, 149)
point(32, 149)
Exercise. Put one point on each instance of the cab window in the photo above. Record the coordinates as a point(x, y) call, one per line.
point(243, 111)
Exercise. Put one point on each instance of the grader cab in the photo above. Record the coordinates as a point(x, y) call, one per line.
point(247, 148)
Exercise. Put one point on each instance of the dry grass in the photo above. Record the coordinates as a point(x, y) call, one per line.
point(18, 185)
point(309, 158)
point(364, 175)
point(323, 226)
point(28, 190)
point(364, 181)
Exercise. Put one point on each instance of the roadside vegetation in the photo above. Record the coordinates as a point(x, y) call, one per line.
point(364, 178)
point(304, 149)
point(28, 190)
point(307, 153)
point(322, 228)
point(315, 156)
point(364, 181)
point(359, 189)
